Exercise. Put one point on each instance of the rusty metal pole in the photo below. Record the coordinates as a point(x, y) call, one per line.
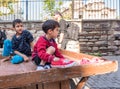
point(27, 10)
point(72, 9)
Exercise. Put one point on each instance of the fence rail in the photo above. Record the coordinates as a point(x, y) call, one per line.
point(71, 9)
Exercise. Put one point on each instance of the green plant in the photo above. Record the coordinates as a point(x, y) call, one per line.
point(8, 5)
point(95, 54)
point(52, 5)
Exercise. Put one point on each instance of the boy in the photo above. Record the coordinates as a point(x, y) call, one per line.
point(45, 50)
point(21, 44)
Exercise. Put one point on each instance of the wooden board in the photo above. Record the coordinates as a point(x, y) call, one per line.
point(6, 68)
point(65, 84)
point(52, 85)
point(24, 74)
point(74, 55)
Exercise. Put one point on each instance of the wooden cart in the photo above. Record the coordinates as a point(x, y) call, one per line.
point(24, 75)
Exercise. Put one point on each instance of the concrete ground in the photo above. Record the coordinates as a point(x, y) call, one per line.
point(106, 81)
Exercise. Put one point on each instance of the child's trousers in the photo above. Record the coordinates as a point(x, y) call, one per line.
point(7, 51)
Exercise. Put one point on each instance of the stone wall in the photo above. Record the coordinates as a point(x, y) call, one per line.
point(96, 36)
point(100, 36)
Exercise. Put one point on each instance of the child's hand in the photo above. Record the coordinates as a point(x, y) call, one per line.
point(50, 50)
point(26, 59)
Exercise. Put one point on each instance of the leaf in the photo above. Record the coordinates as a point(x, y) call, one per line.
point(6, 3)
point(50, 6)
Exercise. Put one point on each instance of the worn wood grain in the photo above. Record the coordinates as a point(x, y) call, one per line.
point(82, 83)
point(24, 73)
point(65, 84)
point(40, 86)
point(8, 68)
point(52, 85)
point(74, 55)
point(31, 86)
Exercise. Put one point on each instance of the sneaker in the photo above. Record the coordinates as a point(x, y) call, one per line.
point(40, 67)
point(47, 66)
point(63, 63)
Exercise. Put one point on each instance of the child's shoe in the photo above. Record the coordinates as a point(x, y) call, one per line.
point(40, 67)
point(43, 67)
point(63, 63)
point(47, 66)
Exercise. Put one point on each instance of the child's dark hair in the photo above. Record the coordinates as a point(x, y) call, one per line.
point(16, 21)
point(49, 24)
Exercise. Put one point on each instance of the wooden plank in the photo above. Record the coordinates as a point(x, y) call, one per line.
point(21, 88)
point(10, 68)
point(18, 88)
point(31, 86)
point(74, 55)
point(65, 84)
point(12, 75)
point(59, 74)
point(82, 83)
point(52, 85)
point(40, 86)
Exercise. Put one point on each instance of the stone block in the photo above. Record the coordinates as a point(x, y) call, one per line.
point(117, 43)
point(73, 46)
point(95, 48)
point(113, 48)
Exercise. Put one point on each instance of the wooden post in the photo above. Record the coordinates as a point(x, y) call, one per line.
point(82, 82)
point(65, 84)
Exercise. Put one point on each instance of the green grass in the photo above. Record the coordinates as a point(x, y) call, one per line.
point(95, 54)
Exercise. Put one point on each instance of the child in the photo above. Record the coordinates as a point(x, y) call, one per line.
point(45, 50)
point(21, 44)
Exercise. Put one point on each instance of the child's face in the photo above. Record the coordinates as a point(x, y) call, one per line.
point(19, 28)
point(54, 33)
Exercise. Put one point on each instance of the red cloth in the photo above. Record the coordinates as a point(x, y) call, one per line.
point(40, 49)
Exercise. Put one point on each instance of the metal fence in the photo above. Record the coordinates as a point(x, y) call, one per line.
point(71, 9)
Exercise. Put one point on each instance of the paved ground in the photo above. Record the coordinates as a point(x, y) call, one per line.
point(106, 81)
